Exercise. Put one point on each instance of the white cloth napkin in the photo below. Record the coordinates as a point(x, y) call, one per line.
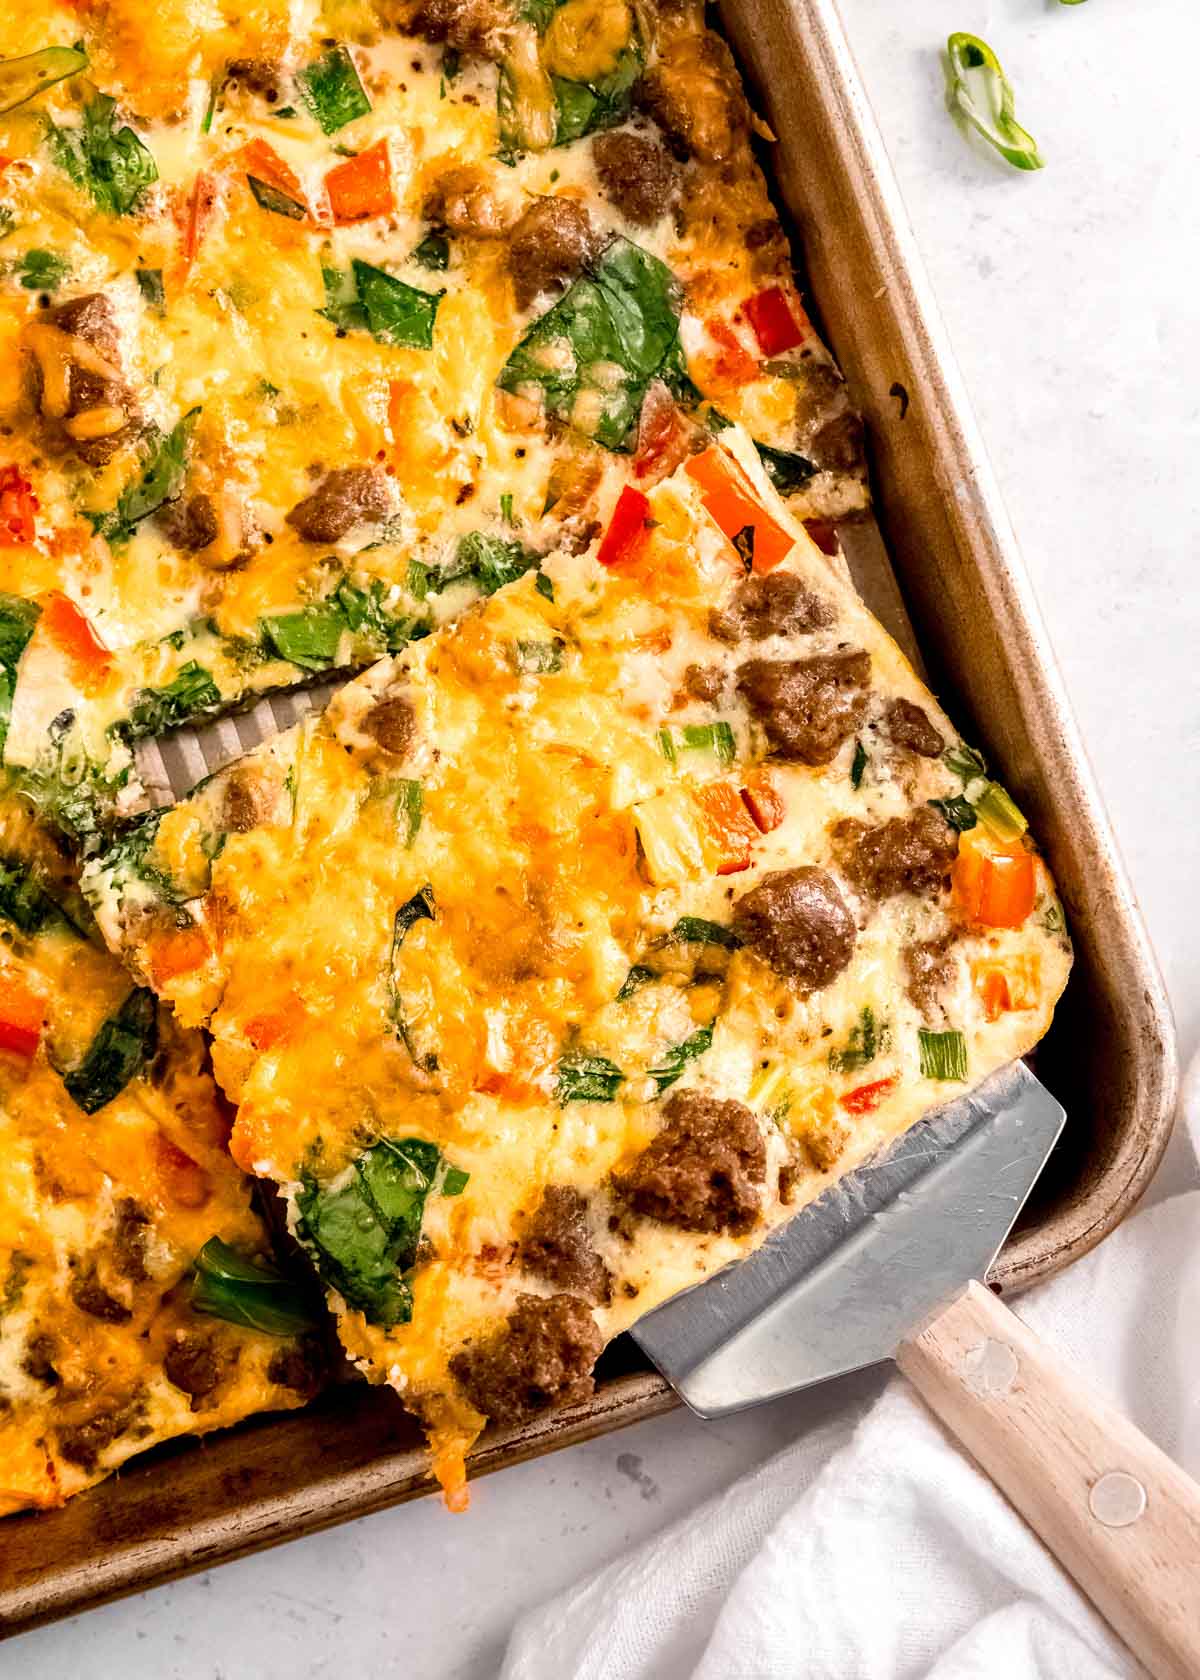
point(873, 1549)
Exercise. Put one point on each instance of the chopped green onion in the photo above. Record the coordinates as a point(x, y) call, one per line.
point(666, 745)
point(958, 812)
point(227, 1285)
point(964, 761)
point(699, 737)
point(583, 1078)
point(24, 78)
point(678, 1057)
point(506, 507)
point(866, 1040)
point(983, 94)
point(409, 808)
point(943, 1055)
point(998, 814)
point(857, 765)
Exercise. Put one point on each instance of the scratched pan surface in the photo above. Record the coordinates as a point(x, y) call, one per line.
point(1110, 1057)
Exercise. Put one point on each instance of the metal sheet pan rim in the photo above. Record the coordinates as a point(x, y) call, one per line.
point(276, 1479)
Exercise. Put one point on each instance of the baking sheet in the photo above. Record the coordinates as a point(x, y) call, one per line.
point(1110, 1057)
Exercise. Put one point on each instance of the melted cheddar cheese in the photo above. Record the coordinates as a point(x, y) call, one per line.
point(660, 836)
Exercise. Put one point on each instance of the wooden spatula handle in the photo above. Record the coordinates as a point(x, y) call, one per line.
point(1114, 1510)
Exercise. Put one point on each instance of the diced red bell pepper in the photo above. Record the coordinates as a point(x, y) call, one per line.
point(184, 1181)
point(21, 1016)
point(72, 632)
point(865, 1099)
point(728, 828)
point(662, 439)
point(733, 365)
point(18, 505)
point(362, 186)
point(727, 497)
point(824, 533)
point(773, 318)
point(762, 799)
point(626, 529)
point(199, 214)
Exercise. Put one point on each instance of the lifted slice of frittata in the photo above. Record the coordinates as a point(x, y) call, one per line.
point(573, 950)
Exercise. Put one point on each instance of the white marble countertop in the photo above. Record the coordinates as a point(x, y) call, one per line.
point(1071, 300)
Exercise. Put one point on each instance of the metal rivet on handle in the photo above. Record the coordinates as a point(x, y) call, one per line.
point(1117, 1499)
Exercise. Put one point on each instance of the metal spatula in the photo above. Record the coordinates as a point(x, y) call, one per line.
point(886, 1265)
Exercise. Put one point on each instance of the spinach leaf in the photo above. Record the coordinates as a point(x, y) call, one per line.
point(623, 314)
point(155, 710)
point(538, 658)
point(363, 1232)
point(857, 765)
point(639, 975)
point(488, 562)
point(958, 812)
point(678, 1057)
point(584, 1078)
point(433, 252)
point(160, 482)
point(312, 637)
point(695, 930)
point(421, 907)
point(111, 163)
point(117, 1054)
point(332, 91)
point(150, 284)
point(585, 107)
point(17, 619)
point(251, 1292)
point(22, 79)
point(372, 300)
point(22, 901)
point(786, 470)
point(270, 198)
point(42, 271)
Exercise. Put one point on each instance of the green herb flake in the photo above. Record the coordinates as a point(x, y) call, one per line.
point(433, 252)
point(332, 91)
point(544, 587)
point(857, 765)
point(42, 271)
point(943, 1055)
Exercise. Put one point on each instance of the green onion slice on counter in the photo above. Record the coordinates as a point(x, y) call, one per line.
point(983, 95)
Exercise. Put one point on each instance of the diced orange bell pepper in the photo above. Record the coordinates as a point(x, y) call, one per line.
point(627, 529)
point(995, 884)
point(72, 632)
point(179, 952)
point(361, 187)
point(865, 1099)
point(184, 1181)
point(1011, 985)
point(201, 208)
point(773, 315)
point(276, 1026)
point(764, 802)
point(730, 502)
point(18, 505)
point(21, 1016)
point(729, 830)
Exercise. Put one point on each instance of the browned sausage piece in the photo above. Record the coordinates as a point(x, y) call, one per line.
point(191, 1364)
point(705, 1169)
point(190, 523)
point(543, 1357)
point(246, 800)
point(906, 854)
point(908, 726)
point(704, 682)
point(91, 1297)
point(636, 175)
point(38, 1361)
point(929, 968)
point(463, 201)
point(256, 75)
point(548, 247)
point(303, 1367)
point(392, 724)
point(695, 95)
point(102, 396)
point(555, 1245)
point(129, 1240)
point(838, 446)
point(348, 497)
point(470, 26)
point(797, 921)
point(807, 707)
point(82, 1443)
point(775, 605)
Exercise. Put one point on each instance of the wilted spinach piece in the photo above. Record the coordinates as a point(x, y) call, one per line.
point(958, 812)
point(22, 901)
point(421, 907)
point(110, 163)
point(538, 658)
point(586, 107)
point(696, 930)
point(155, 710)
point(117, 1054)
point(270, 198)
point(312, 636)
point(251, 1292)
point(363, 1232)
point(17, 619)
point(584, 1078)
point(161, 481)
point(150, 284)
point(678, 1057)
point(786, 470)
point(488, 562)
point(369, 299)
point(332, 90)
point(42, 271)
point(433, 252)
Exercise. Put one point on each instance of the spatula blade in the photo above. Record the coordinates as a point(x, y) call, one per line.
point(841, 1285)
